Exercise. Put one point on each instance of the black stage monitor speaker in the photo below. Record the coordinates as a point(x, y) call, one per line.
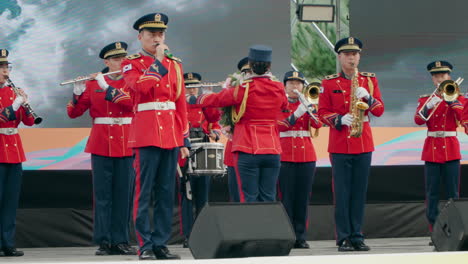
point(450, 232)
point(234, 230)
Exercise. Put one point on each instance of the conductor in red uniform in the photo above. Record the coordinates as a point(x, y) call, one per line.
point(159, 128)
point(350, 156)
point(255, 143)
point(441, 152)
point(110, 106)
point(12, 113)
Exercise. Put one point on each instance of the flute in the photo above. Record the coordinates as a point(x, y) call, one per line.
point(82, 79)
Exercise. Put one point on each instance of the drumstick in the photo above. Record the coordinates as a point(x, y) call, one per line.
point(188, 187)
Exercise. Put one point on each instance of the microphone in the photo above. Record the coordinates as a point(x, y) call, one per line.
point(166, 52)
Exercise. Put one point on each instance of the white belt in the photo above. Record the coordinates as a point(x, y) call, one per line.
point(295, 133)
point(112, 120)
point(442, 133)
point(156, 106)
point(8, 131)
point(365, 119)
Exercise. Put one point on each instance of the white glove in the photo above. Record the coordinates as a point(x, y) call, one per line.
point(301, 110)
point(101, 81)
point(207, 90)
point(227, 83)
point(17, 103)
point(347, 120)
point(362, 92)
point(433, 102)
point(79, 88)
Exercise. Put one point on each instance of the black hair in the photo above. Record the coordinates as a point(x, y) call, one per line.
point(259, 67)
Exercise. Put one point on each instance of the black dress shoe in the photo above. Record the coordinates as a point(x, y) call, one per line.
point(103, 250)
point(147, 255)
point(431, 243)
point(301, 244)
point(360, 246)
point(123, 249)
point(12, 252)
point(345, 246)
point(185, 244)
point(163, 253)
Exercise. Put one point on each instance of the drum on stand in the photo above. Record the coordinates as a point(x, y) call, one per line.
point(206, 159)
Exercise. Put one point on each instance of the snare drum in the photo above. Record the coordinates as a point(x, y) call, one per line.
point(208, 159)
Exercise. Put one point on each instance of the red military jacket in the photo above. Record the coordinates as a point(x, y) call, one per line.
point(261, 100)
point(11, 148)
point(297, 148)
point(465, 116)
point(206, 118)
point(149, 81)
point(110, 140)
point(334, 102)
point(445, 117)
point(228, 156)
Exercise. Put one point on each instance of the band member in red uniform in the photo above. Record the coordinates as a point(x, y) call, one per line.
point(350, 155)
point(465, 116)
point(159, 128)
point(228, 127)
point(110, 106)
point(203, 127)
point(12, 113)
point(441, 152)
point(258, 101)
point(298, 157)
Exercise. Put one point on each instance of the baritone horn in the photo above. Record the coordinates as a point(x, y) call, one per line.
point(448, 89)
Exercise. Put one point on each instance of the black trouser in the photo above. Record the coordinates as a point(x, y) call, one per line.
point(295, 182)
point(11, 175)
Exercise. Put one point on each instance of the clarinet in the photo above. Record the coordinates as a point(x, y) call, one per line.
point(37, 119)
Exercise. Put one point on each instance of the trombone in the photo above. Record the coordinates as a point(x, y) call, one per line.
point(449, 89)
point(309, 96)
point(82, 79)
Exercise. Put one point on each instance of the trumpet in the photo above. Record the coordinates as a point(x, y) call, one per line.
point(82, 79)
point(203, 85)
point(449, 89)
point(37, 119)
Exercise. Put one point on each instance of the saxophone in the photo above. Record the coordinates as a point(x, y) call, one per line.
point(356, 108)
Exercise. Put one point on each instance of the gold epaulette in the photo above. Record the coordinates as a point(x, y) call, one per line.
point(275, 79)
point(175, 59)
point(424, 95)
point(333, 76)
point(133, 56)
point(368, 74)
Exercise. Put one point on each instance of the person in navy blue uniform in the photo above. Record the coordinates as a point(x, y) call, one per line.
point(298, 157)
point(203, 127)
